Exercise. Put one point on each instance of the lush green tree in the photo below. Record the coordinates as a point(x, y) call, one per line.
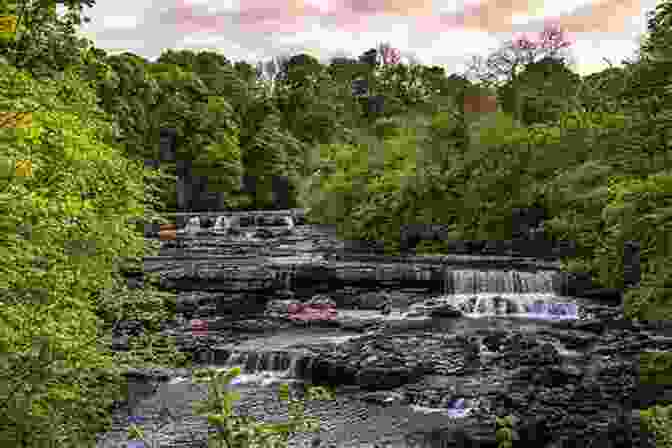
point(545, 89)
point(659, 32)
point(65, 226)
point(129, 93)
point(186, 104)
point(43, 43)
point(641, 210)
point(300, 70)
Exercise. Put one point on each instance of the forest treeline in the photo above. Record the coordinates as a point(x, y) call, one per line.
point(368, 143)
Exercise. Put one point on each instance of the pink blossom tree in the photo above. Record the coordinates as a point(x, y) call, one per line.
point(388, 54)
point(505, 64)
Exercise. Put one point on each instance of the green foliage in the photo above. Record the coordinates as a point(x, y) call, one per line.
point(545, 89)
point(658, 419)
point(44, 44)
point(244, 431)
point(591, 151)
point(640, 210)
point(505, 434)
point(52, 301)
point(659, 37)
point(655, 368)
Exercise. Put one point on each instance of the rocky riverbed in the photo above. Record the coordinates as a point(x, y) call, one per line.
point(422, 352)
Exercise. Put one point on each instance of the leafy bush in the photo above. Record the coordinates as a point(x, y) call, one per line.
point(240, 431)
point(63, 230)
point(658, 419)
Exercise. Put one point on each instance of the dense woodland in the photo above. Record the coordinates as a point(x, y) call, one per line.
point(368, 144)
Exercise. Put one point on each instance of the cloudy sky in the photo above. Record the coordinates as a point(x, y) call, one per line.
point(435, 32)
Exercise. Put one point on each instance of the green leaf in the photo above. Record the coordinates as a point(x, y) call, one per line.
point(284, 392)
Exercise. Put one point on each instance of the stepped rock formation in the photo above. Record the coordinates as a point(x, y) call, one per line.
point(412, 341)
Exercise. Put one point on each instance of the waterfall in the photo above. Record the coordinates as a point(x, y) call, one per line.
point(282, 363)
point(528, 305)
point(495, 293)
point(474, 281)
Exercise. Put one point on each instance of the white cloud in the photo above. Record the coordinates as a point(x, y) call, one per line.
point(120, 21)
point(218, 6)
point(147, 28)
point(447, 6)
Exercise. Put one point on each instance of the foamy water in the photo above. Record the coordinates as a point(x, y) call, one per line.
point(545, 306)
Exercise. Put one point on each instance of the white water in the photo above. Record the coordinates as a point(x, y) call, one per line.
point(547, 306)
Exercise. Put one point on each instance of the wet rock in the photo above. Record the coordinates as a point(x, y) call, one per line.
point(570, 400)
point(364, 246)
point(373, 300)
point(128, 327)
point(135, 280)
point(416, 313)
point(572, 339)
point(385, 398)
point(494, 341)
point(207, 222)
point(225, 305)
point(358, 325)
point(591, 326)
point(211, 276)
point(255, 325)
point(279, 308)
point(401, 325)
point(445, 310)
point(264, 233)
point(609, 295)
point(321, 299)
point(548, 376)
point(541, 355)
point(121, 343)
point(386, 377)
point(535, 430)
point(346, 297)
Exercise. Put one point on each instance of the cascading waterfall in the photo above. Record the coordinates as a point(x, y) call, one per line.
point(529, 305)
point(282, 363)
point(495, 292)
point(474, 281)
